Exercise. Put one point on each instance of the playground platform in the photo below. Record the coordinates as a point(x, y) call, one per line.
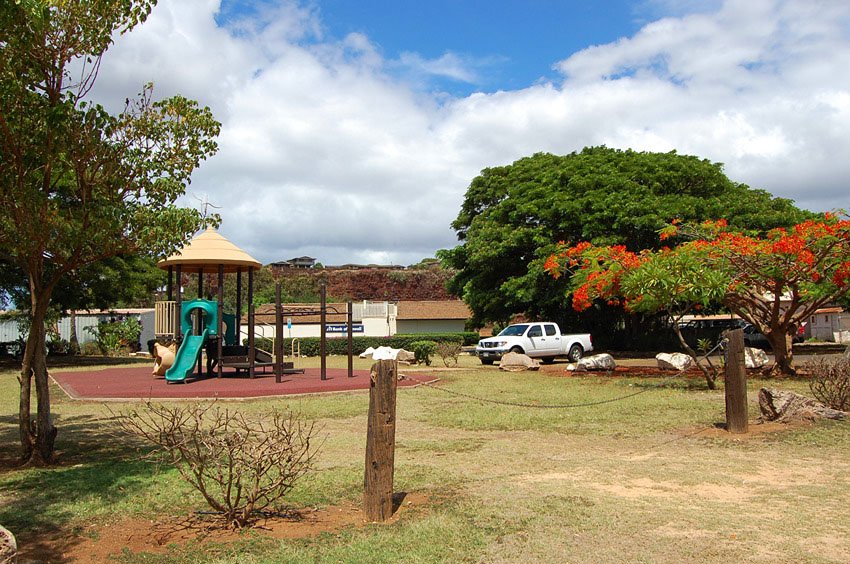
point(130, 383)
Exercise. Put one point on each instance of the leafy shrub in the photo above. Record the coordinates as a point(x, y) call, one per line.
point(830, 383)
point(90, 349)
point(58, 346)
point(242, 465)
point(339, 345)
point(449, 351)
point(112, 337)
point(423, 351)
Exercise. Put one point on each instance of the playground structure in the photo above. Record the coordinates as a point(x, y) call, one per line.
point(201, 328)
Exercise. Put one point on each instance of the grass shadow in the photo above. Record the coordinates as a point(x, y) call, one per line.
point(46, 508)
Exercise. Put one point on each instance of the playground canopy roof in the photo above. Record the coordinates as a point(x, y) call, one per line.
point(209, 250)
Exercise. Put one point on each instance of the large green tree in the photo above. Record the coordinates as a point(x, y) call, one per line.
point(77, 184)
point(513, 215)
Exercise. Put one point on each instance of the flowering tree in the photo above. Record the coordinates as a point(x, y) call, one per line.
point(774, 282)
point(675, 282)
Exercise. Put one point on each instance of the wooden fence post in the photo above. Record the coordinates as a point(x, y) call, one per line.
point(380, 442)
point(736, 383)
point(278, 334)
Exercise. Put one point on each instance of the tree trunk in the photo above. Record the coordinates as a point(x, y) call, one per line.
point(73, 340)
point(26, 431)
point(710, 377)
point(781, 343)
point(37, 438)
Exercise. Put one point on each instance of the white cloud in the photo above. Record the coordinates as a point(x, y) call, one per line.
point(324, 153)
point(449, 65)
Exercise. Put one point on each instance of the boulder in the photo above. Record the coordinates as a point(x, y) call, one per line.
point(783, 406)
point(755, 358)
point(602, 361)
point(387, 353)
point(517, 362)
point(674, 361)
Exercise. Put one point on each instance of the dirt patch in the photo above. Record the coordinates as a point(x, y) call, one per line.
point(646, 487)
point(99, 543)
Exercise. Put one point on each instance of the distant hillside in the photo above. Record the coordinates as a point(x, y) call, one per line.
point(370, 283)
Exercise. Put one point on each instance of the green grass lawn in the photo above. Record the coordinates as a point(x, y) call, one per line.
point(645, 479)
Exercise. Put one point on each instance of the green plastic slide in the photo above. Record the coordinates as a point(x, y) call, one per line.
point(186, 358)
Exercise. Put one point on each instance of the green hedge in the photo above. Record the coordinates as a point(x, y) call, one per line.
point(339, 345)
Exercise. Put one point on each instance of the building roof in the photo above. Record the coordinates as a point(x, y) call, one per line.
point(209, 250)
point(433, 309)
point(833, 309)
point(265, 314)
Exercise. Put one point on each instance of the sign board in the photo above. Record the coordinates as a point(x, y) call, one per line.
point(343, 328)
point(289, 323)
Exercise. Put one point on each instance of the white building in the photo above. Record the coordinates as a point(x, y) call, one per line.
point(829, 324)
point(371, 319)
point(84, 319)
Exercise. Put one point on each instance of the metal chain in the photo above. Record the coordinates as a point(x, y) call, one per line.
point(519, 404)
point(545, 406)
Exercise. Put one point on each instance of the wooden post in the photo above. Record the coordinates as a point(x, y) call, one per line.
point(251, 355)
point(178, 307)
point(220, 323)
point(323, 296)
point(278, 334)
point(238, 329)
point(170, 288)
point(380, 442)
point(350, 327)
point(736, 384)
point(199, 318)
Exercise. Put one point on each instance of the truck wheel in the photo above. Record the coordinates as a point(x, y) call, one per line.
point(575, 354)
point(487, 361)
point(517, 350)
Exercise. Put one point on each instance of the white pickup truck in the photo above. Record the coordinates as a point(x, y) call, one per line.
point(537, 340)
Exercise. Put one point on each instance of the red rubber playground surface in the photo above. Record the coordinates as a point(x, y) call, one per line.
point(138, 383)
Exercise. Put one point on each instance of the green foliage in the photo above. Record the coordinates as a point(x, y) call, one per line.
point(113, 337)
point(675, 283)
point(77, 184)
point(512, 216)
point(423, 351)
point(339, 346)
point(120, 281)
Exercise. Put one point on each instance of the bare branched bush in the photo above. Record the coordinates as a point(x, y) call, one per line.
point(241, 465)
point(449, 351)
point(830, 383)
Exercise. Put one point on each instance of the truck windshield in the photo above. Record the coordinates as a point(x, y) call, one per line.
point(513, 330)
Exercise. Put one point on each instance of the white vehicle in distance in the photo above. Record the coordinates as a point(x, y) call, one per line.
point(537, 340)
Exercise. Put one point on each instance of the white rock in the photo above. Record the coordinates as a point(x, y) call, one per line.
point(755, 358)
point(674, 361)
point(387, 353)
point(516, 362)
point(8, 545)
point(602, 361)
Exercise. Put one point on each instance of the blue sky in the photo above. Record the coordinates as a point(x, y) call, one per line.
point(510, 44)
point(352, 129)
